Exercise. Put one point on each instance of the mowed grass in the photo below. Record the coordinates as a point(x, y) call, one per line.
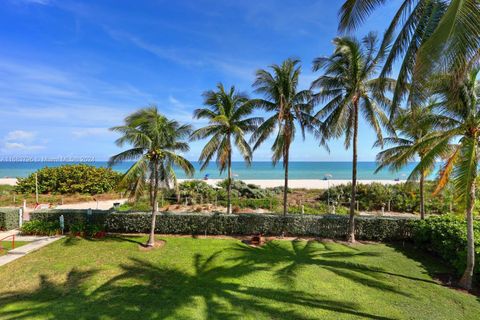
point(224, 279)
point(7, 245)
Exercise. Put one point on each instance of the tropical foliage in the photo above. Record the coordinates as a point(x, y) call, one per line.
point(155, 145)
point(69, 179)
point(227, 113)
point(412, 125)
point(348, 88)
point(288, 108)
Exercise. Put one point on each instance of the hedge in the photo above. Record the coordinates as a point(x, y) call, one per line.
point(9, 218)
point(446, 236)
point(323, 226)
point(71, 216)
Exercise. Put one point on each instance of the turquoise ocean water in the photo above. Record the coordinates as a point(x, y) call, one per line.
point(258, 170)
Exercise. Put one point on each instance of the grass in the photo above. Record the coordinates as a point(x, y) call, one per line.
point(7, 245)
point(224, 279)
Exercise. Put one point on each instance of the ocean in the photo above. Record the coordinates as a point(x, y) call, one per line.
point(258, 170)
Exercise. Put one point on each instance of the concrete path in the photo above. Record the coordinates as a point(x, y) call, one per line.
point(36, 242)
point(101, 205)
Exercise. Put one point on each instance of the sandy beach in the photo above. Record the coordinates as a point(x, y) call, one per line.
point(304, 183)
point(294, 183)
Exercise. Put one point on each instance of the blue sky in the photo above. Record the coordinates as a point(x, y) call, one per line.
point(69, 70)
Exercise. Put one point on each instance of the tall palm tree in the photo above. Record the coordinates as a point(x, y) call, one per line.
point(348, 87)
point(412, 126)
point(155, 142)
point(462, 126)
point(430, 35)
point(227, 113)
point(289, 106)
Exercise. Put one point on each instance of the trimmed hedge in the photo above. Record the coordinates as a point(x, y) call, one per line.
point(324, 226)
point(446, 236)
point(71, 216)
point(8, 218)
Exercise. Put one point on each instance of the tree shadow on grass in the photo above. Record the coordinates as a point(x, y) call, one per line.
point(147, 291)
point(72, 241)
point(434, 266)
point(290, 259)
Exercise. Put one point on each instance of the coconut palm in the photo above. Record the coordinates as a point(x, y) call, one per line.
point(461, 111)
point(430, 35)
point(348, 87)
point(227, 113)
point(290, 107)
point(412, 126)
point(155, 143)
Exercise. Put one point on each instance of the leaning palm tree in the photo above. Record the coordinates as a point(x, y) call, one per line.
point(348, 87)
point(155, 142)
point(289, 107)
point(427, 35)
point(462, 126)
point(412, 126)
point(227, 113)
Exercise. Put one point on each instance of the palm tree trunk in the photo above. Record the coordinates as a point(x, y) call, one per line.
point(466, 280)
point(351, 222)
point(151, 238)
point(422, 195)
point(285, 185)
point(229, 183)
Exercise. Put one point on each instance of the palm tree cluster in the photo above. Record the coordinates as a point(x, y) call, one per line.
point(430, 111)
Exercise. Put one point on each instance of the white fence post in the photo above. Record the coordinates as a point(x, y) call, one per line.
point(20, 217)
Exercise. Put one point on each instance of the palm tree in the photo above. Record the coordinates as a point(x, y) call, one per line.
point(431, 35)
point(279, 88)
point(348, 87)
point(227, 113)
point(461, 111)
point(413, 125)
point(155, 142)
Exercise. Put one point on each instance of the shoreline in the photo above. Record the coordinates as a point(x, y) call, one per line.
point(271, 183)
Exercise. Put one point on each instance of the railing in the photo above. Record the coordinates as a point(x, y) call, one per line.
point(13, 242)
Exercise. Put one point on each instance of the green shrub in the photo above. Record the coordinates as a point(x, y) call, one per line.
point(8, 218)
point(446, 236)
point(249, 191)
point(69, 179)
point(71, 217)
point(324, 226)
point(44, 228)
point(402, 198)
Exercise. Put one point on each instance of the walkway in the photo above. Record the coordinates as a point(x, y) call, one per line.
point(36, 242)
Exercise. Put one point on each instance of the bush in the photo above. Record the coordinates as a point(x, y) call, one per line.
point(402, 198)
point(8, 218)
point(446, 236)
point(43, 228)
point(71, 217)
point(249, 191)
point(327, 226)
point(69, 179)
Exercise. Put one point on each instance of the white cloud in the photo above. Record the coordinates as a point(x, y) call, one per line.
point(20, 135)
point(20, 140)
point(21, 146)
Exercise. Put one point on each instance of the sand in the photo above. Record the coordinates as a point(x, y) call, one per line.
point(293, 183)
point(304, 183)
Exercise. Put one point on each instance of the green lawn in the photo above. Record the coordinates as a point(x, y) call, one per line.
point(7, 245)
point(224, 279)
